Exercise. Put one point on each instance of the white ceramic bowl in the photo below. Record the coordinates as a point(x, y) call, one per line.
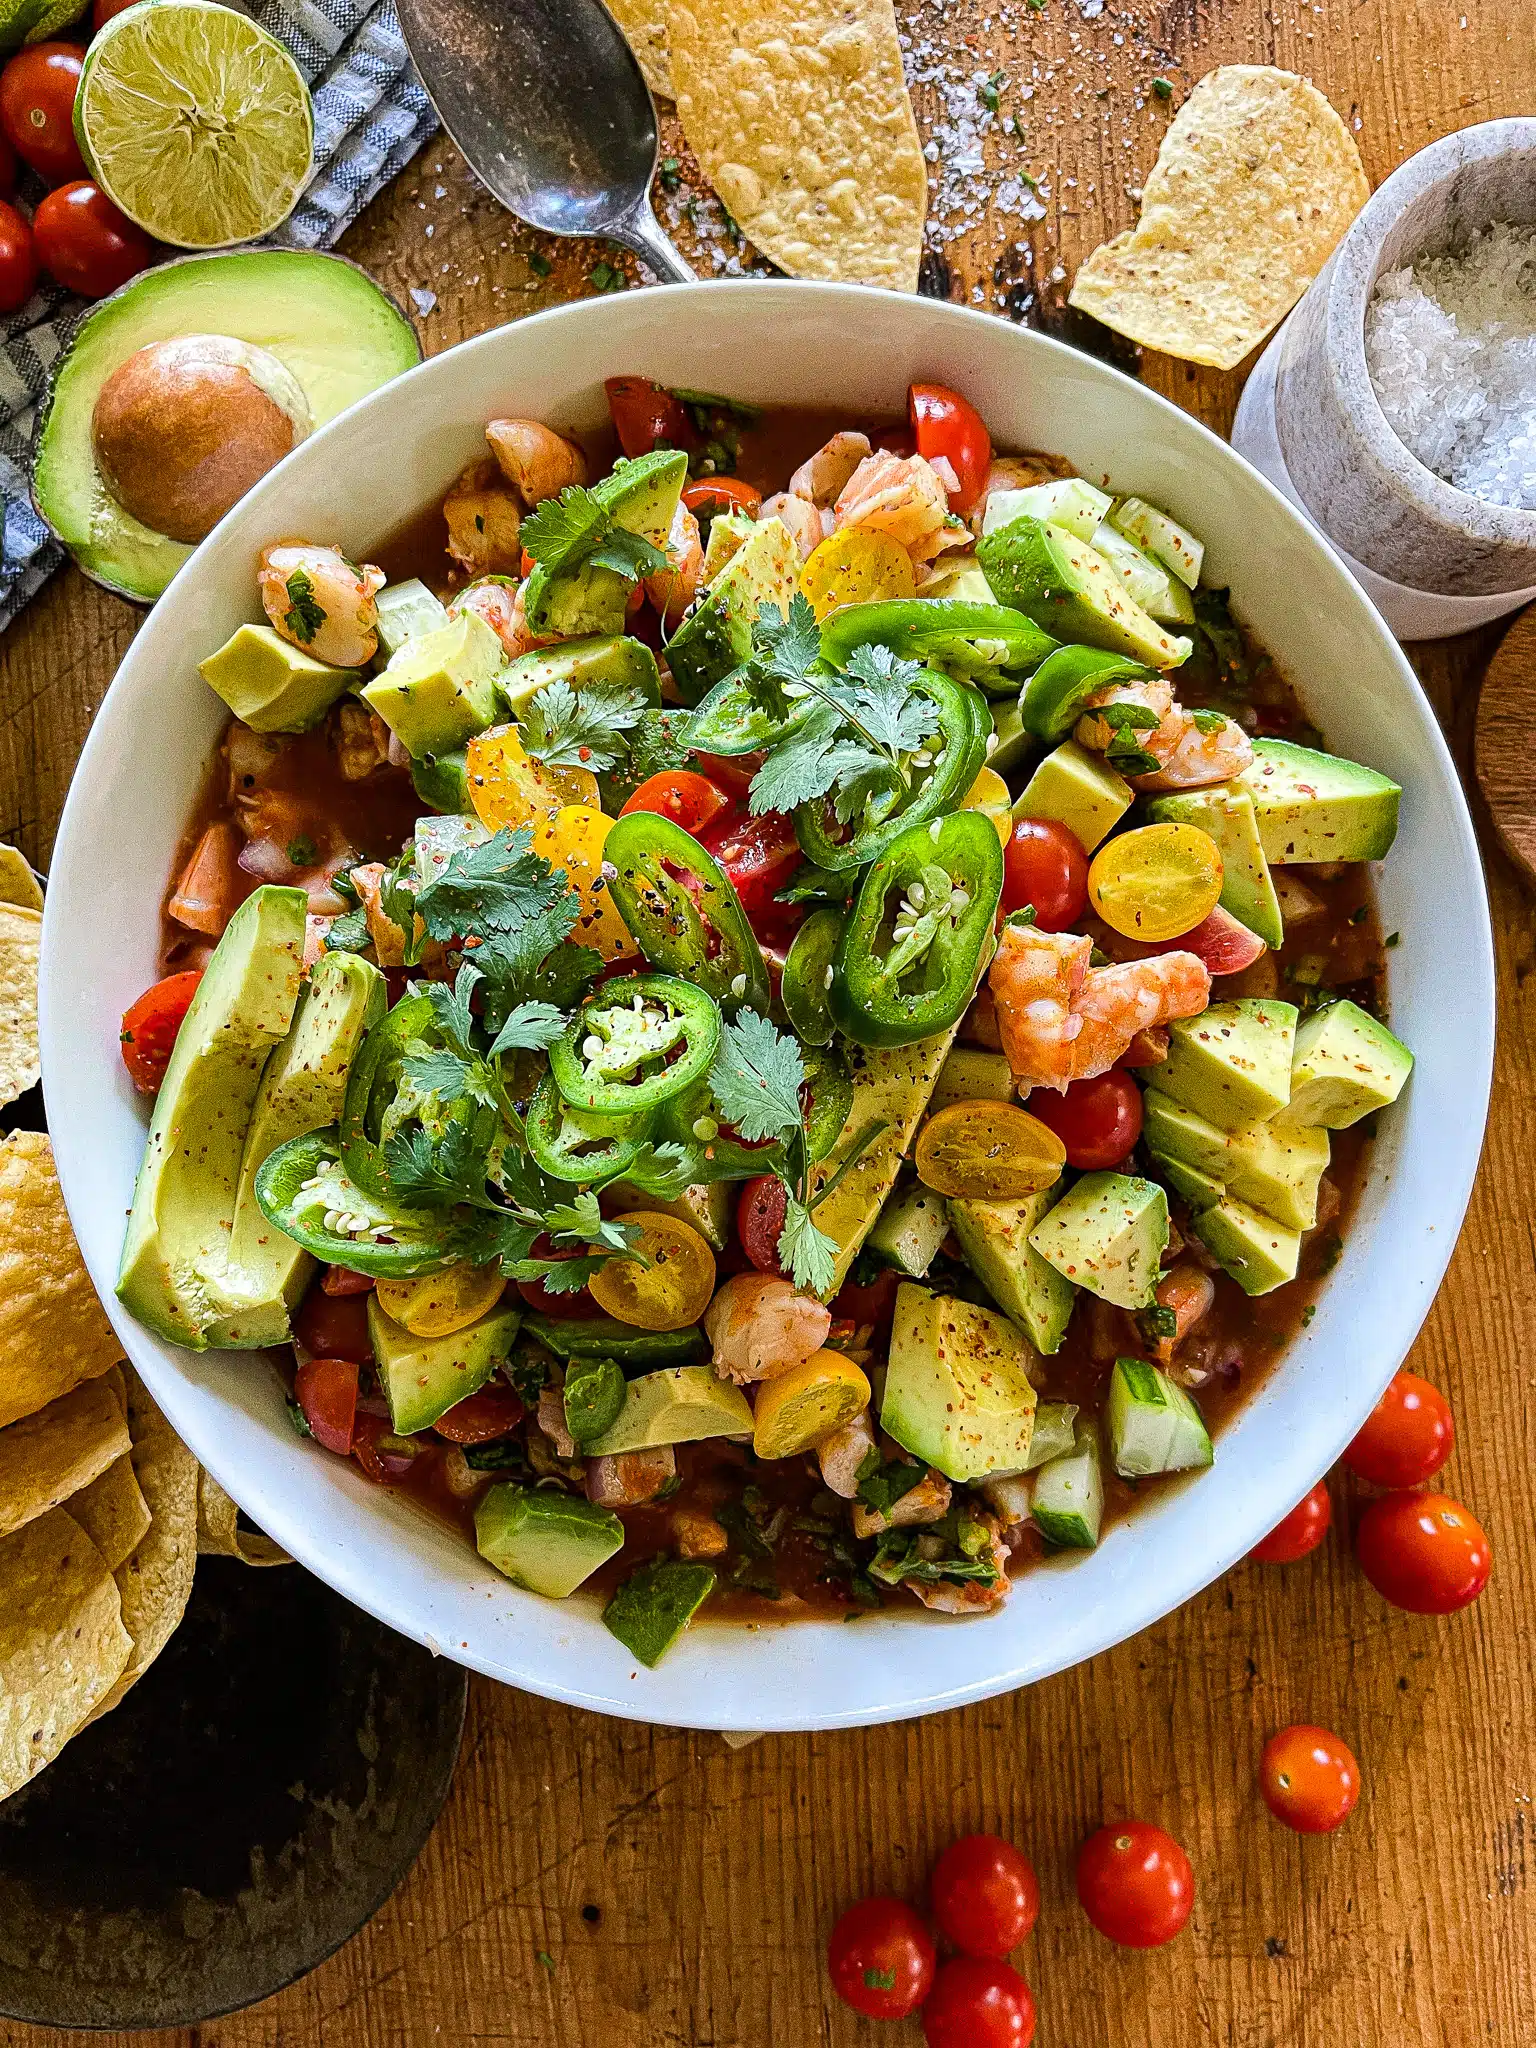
point(797, 344)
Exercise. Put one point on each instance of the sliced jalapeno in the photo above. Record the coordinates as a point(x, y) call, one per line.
point(990, 645)
point(304, 1189)
point(808, 976)
point(573, 1145)
point(693, 1120)
point(634, 1045)
point(729, 721)
point(373, 1086)
point(683, 911)
point(1052, 701)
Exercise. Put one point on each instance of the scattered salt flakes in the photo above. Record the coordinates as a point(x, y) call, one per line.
point(422, 300)
point(429, 231)
point(439, 191)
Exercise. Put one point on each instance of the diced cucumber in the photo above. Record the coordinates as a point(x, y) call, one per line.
point(1068, 1506)
point(1148, 582)
point(909, 1230)
point(1071, 502)
point(1154, 1426)
point(407, 610)
point(1055, 1433)
point(1173, 545)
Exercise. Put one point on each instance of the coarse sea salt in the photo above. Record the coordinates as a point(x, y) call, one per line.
point(1451, 344)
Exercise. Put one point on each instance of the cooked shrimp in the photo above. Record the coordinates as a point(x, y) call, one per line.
point(361, 739)
point(928, 1501)
point(211, 886)
point(484, 520)
point(551, 1419)
point(500, 604)
point(807, 526)
point(250, 755)
point(761, 1327)
point(841, 1455)
point(821, 477)
point(1188, 757)
point(1189, 1293)
point(629, 1478)
point(536, 461)
point(1063, 1021)
point(969, 1596)
point(318, 600)
point(674, 588)
point(901, 495)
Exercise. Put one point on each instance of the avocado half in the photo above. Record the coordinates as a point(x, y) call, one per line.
point(326, 320)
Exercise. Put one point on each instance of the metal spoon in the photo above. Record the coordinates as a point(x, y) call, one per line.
point(545, 100)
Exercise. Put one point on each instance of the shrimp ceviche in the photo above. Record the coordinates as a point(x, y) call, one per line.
point(786, 1018)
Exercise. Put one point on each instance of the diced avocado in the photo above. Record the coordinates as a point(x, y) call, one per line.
point(1078, 789)
point(176, 1250)
point(1153, 1424)
point(302, 1088)
point(653, 1607)
point(1232, 1063)
point(960, 577)
point(1068, 589)
point(1054, 1434)
point(604, 1337)
point(270, 685)
point(970, 1074)
point(1161, 596)
point(442, 780)
point(602, 661)
point(709, 1207)
point(1011, 742)
point(1346, 1064)
point(437, 840)
point(1070, 501)
point(568, 595)
point(406, 611)
point(1171, 544)
point(1275, 1164)
point(1258, 1252)
point(909, 1230)
point(995, 1239)
point(548, 1542)
point(1319, 807)
point(681, 1404)
point(1068, 1506)
point(891, 1086)
point(958, 1393)
point(717, 637)
point(440, 689)
point(1196, 1189)
point(1226, 812)
point(728, 533)
point(1107, 1234)
point(423, 1377)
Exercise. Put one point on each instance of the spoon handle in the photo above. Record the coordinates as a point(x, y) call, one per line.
point(641, 232)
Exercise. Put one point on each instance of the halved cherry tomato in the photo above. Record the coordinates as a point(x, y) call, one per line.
point(758, 855)
point(989, 795)
point(880, 1957)
point(672, 1289)
point(334, 1326)
point(326, 1390)
point(856, 565)
point(944, 423)
point(437, 1304)
point(1044, 866)
point(687, 799)
point(760, 1221)
point(1424, 1552)
point(872, 1301)
point(104, 10)
point(341, 1280)
point(979, 2003)
point(1300, 1532)
point(1135, 1884)
point(733, 772)
point(1157, 881)
point(10, 170)
point(85, 243)
point(150, 1026)
point(1407, 1436)
point(1098, 1121)
point(481, 1418)
point(985, 1895)
point(564, 1307)
point(1309, 1779)
point(713, 494)
point(988, 1151)
point(18, 257)
point(645, 416)
point(37, 109)
point(573, 841)
point(382, 1454)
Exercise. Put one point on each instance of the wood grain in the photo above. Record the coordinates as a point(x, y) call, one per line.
point(1506, 733)
point(609, 1886)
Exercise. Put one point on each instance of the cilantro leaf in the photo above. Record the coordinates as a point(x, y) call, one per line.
point(500, 889)
point(629, 555)
point(530, 1027)
point(305, 614)
point(582, 1218)
point(568, 728)
point(446, 1074)
point(428, 1173)
point(757, 1077)
point(349, 933)
point(808, 1253)
point(786, 645)
point(397, 900)
point(663, 1171)
point(450, 1007)
point(880, 1486)
point(562, 533)
point(897, 1558)
point(891, 707)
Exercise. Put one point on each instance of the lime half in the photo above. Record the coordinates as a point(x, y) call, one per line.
point(195, 122)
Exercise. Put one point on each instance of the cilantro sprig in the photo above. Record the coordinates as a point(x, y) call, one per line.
point(568, 728)
point(576, 528)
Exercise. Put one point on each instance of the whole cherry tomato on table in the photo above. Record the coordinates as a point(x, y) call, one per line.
point(985, 1895)
point(711, 495)
point(104, 10)
point(979, 2002)
point(645, 415)
point(881, 1958)
point(1045, 868)
point(1424, 1552)
point(1309, 1779)
point(150, 1026)
point(945, 424)
point(687, 799)
point(1098, 1121)
point(760, 1216)
point(334, 1326)
point(37, 109)
point(326, 1391)
point(1406, 1437)
point(481, 1418)
point(1301, 1531)
point(1135, 1884)
point(83, 242)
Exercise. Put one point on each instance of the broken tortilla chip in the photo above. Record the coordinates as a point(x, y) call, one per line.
point(1255, 183)
point(18, 884)
point(800, 119)
point(111, 1511)
point(219, 1533)
point(53, 1331)
point(20, 1061)
point(644, 23)
point(48, 1457)
point(156, 1581)
point(62, 1642)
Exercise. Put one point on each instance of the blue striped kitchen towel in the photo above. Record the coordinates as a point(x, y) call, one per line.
point(371, 117)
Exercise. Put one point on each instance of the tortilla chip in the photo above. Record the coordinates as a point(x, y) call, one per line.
point(62, 1642)
point(219, 1533)
point(18, 884)
point(644, 23)
point(47, 1457)
point(111, 1511)
point(156, 1582)
point(800, 119)
point(21, 1064)
point(53, 1331)
point(113, 1378)
point(1255, 183)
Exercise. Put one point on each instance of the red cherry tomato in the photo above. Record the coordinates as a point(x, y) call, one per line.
point(1407, 1436)
point(881, 1957)
point(481, 1418)
point(758, 855)
point(85, 243)
point(326, 1390)
point(567, 1308)
point(341, 1280)
point(714, 494)
point(947, 425)
point(645, 416)
point(733, 772)
point(334, 1326)
point(687, 799)
point(37, 109)
point(150, 1026)
point(1301, 1531)
point(104, 10)
point(872, 1302)
point(1098, 1121)
point(1044, 864)
point(1225, 946)
point(1309, 1779)
point(760, 1220)
point(985, 1895)
point(979, 2002)
point(380, 1464)
point(1423, 1552)
point(1135, 1884)
point(10, 170)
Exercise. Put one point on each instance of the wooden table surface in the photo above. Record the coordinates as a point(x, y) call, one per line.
point(600, 1885)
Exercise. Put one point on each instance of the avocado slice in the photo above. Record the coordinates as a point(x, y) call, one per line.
point(1226, 813)
point(1153, 1424)
point(1011, 739)
point(604, 1337)
point(545, 1541)
point(1319, 807)
point(1232, 1063)
point(1068, 1504)
point(681, 1404)
point(1071, 502)
point(717, 637)
point(1346, 1065)
point(709, 1207)
point(909, 1230)
point(569, 595)
point(1067, 588)
point(423, 1377)
point(442, 780)
point(652, 1608)
point(270, 685)
point(994, 1237)
point(728, 531)
point(1078, 789)
point(324, 319)
point(1258, 1252)
point(1194, 1188)
point(406, 611)
point(176, 1251)
point(971, 1073)
point(1054, 1433)
point(958, 1393)
point(1108, 1234)
point(1275, 1164)
point(441, 689)
point(601, 661)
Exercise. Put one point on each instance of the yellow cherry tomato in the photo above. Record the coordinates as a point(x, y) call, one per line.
point(988, 1151)
point(795, 1411)
point(572, 839)
point(437, 1304)
point(507, 788)
point(989, 794)
point(856, 566)
point(1157, 882)
point(669, 1293)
